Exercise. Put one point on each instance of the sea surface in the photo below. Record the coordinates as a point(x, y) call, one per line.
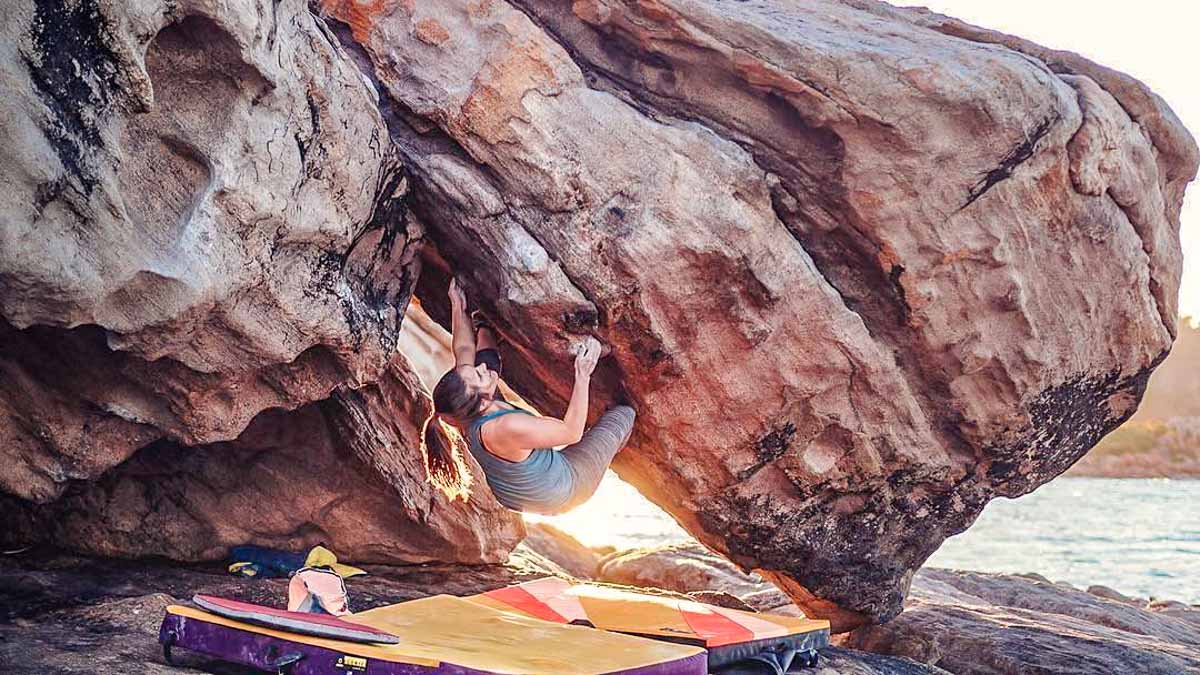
point(1138, 536)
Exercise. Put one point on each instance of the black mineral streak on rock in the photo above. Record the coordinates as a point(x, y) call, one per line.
point(48, 192)
point(376, 278)
point(326, 282)
point(1022, 152)
point(386, 279)
point(75, 72)
point(770, 447)
point(314, 137)
point(901, 299)
point(581, 321)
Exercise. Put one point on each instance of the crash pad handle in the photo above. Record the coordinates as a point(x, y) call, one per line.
point(284, 663)
point(168, 640)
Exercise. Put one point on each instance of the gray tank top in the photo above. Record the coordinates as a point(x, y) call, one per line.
point(542, 481)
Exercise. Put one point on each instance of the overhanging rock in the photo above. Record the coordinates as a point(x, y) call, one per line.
point(863, 269)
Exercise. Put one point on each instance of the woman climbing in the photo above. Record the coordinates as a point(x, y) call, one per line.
point(512, 445)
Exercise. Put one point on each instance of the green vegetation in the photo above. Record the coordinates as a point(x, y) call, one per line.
point(1163, 438)
point(1131, 438)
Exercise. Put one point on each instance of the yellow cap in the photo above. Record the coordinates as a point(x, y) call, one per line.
point(320, 555)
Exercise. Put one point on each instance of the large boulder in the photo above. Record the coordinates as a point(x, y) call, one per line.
point(846, 255)
point(204, 263)
point(566, 551)
point(180, 248)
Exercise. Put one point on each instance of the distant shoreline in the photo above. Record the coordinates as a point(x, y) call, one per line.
point(1125, 473)
point(1151, 448)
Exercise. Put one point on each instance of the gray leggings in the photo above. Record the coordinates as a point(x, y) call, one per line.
point(590, 457)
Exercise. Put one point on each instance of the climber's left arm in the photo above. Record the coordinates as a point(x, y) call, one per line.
point(463, 342)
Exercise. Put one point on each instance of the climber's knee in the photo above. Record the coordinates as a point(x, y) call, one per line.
point(627, 413)
point(624, 416)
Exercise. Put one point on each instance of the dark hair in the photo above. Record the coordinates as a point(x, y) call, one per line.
point(441, 443)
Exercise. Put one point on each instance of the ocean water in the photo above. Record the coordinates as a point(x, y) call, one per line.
point(1140, 537)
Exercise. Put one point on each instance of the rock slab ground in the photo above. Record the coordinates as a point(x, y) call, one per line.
point(67, 614)
point(974, 623)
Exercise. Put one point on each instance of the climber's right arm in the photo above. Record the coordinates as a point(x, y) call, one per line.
point(463, 340)
point(526, 432)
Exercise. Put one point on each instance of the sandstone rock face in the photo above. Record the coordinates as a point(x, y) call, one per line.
point(972, 623)
point(566, 551)
point(195, 228)
point(204, 260)
point(862, 269)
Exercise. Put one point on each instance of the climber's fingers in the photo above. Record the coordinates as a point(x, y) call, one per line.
point(458, 298)
point(587, 353)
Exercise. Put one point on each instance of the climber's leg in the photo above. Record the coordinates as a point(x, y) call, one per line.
point(485, 344)
point(485, 348)
point(590, 457)
point(485, 338)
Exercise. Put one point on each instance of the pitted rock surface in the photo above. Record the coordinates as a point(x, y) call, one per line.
point(194, 228)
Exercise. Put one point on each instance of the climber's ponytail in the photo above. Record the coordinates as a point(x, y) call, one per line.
point(444, 464)
point(441, 443)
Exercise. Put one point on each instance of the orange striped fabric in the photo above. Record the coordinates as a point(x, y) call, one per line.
point(627, 611)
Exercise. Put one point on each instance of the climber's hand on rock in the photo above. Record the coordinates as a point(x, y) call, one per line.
point(458, 299)
point(586, 356)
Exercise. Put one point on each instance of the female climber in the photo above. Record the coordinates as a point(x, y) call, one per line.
point(513, 446)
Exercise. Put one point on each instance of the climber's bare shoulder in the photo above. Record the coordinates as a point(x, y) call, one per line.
point(513, 437)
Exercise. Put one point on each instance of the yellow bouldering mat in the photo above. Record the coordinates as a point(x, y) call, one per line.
point(447, 634)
